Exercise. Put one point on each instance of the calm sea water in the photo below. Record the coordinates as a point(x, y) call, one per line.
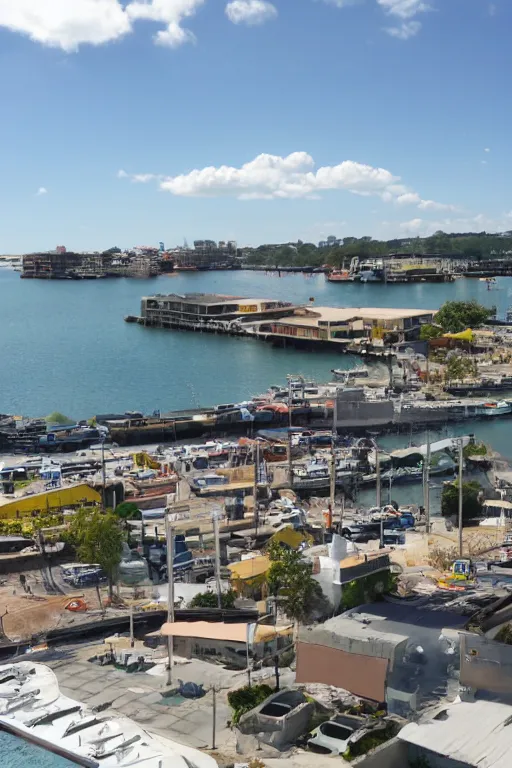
point(18, 753)
point(66, 347)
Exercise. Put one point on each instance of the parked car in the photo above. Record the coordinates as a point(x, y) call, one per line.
point(333, 737)
point(359, 533)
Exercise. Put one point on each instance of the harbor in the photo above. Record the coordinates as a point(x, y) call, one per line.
point(348, 476)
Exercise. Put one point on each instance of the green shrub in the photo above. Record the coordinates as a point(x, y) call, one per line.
point(209, 600)
point(246, 698)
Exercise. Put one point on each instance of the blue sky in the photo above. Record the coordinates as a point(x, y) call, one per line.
point(133, 122)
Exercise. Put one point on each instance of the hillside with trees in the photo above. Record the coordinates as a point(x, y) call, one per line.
point(470, 245)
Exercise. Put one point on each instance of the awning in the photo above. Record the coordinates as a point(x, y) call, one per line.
point(250, 568)
point(218, 630)
point(498, 504)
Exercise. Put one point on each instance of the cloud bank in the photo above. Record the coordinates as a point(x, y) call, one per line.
point(270, 177)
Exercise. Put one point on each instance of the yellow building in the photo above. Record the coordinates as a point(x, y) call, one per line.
point(29, 506)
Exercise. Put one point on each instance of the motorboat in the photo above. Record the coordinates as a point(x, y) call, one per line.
point(339, 276)
point(494, 408)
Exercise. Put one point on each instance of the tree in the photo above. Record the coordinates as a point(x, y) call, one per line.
point(209, 600)
point(457, 368)
point(290, 581)
point(428, 332)
point(127, 510)
point(98, 538)
point(471, 503)
point(59, 418)
point(456, 316)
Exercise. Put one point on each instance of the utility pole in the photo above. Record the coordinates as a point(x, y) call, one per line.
point(333, 461)
point(103, 475)
point(289, 447)
point(255, 489)
point(214, 717)
point(461, 468)
point(426, 486)
point(169, 537)
point(378, 499)
point(217, 558)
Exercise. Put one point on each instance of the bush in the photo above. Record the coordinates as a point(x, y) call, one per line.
point(209, 600)
point(246, 698)
point(471, 503)
point(442, 559)
point(59, 418)
point(475, 449)
point(128, 510)
point(367, 590)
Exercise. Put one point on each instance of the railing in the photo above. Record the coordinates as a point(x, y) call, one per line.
point(365, 568)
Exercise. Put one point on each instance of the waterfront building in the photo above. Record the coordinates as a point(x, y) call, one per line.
point(278, 320)
point(344, 324)
point(69, 265)
point(197, 310)
point(206, 254)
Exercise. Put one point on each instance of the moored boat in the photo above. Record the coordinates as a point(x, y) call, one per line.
point(499, 408)
point(339, 276)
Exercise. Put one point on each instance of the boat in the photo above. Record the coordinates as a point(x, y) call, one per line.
point(109, 742)
point(339, 276)
point(347, 376)
point(371, 271)
point(499, 408)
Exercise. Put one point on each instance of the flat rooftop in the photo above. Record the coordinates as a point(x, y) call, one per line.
point(469, 733)
point(201, 298)
point(314, 315)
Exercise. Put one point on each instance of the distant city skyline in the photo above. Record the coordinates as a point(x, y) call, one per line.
point(253, 121)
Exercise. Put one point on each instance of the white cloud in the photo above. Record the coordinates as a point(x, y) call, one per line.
point(478, 223)
point(408, 198)
point(406, 30)
point(250, 12)
point(169, 12)
point(41, 191)
point(341, 3)
point(66, 24)
point(492, 9)
point(414, 225)
point(294, 176)
point(487, 149)
point(137, 178)
point(431, 205)
point(143, 178)
point(483, 162)
point(404, 9)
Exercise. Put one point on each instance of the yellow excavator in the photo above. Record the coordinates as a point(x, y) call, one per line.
point(460, 575)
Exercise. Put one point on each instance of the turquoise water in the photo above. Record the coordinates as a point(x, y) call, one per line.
point(18, 753)
point(66, 347)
